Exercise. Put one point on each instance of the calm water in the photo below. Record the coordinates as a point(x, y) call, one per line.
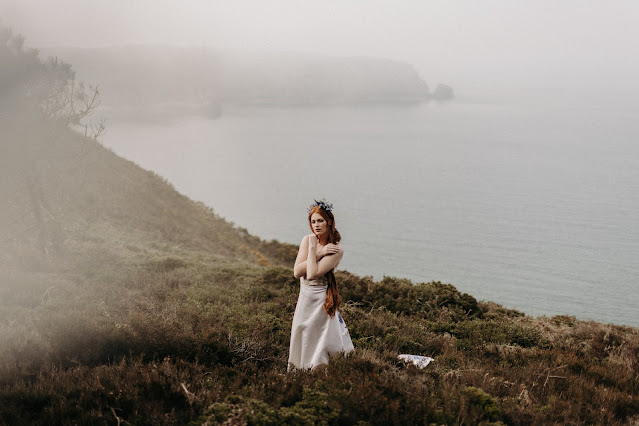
point(531, 203)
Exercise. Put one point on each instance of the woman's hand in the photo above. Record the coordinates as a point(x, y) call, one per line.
point(327, 250)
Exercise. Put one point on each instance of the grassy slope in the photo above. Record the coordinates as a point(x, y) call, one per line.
point(150, 309)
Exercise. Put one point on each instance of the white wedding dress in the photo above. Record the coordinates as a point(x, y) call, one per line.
point(315, 335)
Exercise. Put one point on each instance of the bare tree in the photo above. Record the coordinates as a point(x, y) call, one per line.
point(35, 91)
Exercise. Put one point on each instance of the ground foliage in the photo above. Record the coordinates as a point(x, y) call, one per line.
point(148, 308)
point(190, 338)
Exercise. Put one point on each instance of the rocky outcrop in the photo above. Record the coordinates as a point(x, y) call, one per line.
point(443, 92)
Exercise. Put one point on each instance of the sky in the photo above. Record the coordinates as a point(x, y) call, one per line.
point(537, 43)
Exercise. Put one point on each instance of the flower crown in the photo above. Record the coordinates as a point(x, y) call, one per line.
point(322, 204)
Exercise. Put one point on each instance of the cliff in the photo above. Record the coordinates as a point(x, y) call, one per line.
point(152, 75)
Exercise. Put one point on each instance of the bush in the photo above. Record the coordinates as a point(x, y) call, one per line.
point(401, 296)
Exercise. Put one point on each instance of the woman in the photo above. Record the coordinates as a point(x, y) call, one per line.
point(318, 329)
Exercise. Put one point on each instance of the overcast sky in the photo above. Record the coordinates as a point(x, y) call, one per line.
point(458, 42)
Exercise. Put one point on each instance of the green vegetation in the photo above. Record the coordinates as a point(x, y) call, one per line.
point(124, 302)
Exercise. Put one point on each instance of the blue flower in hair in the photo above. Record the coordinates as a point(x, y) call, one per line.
point(322, 204)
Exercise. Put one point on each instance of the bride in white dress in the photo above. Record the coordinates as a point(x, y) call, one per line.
point(318, 329)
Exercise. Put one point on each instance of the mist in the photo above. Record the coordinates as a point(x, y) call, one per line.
point(487, 47)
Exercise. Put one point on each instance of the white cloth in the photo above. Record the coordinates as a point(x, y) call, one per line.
point(417, 360)
point(315, 335)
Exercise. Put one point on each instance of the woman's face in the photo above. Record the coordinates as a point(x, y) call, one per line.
point(318, 224)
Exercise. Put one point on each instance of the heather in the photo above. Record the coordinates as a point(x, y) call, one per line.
point(192, 338)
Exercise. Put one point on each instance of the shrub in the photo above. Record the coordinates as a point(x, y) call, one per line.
point(403, 297)
point(481, 407)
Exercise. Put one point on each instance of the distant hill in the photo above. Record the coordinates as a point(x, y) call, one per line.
point(144, 75)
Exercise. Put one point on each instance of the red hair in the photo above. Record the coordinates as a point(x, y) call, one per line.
point(333, 300)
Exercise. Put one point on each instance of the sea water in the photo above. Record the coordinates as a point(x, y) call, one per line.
point(528, 201)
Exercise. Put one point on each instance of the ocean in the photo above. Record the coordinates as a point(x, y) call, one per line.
point(526, 200)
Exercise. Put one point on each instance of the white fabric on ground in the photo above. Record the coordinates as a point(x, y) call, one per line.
point(417, 360)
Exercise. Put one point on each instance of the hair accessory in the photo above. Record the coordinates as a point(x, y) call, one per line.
point(323, 204)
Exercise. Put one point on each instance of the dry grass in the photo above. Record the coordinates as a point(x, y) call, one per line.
point(186, 338)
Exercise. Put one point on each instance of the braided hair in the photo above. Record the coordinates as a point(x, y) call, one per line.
point(333, 300)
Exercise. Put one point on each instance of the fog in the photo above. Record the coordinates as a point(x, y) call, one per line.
point(473, 46)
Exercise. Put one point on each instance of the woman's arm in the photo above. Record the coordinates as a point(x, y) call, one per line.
point(299, 270)
point(315, 269)
point(324, 251)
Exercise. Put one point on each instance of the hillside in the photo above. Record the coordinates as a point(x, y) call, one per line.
point(124, 302)
point(84, 192)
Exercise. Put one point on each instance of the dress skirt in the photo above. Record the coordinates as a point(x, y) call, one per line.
point(315, 335)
